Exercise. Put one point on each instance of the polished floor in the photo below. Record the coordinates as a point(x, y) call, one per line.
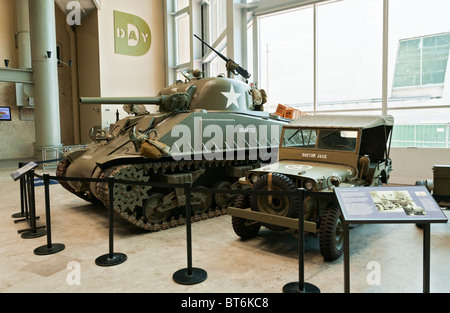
point(384, 258)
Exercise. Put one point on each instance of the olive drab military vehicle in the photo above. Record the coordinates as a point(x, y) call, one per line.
point(317, 153)
point(439, 186)
point(208, 132)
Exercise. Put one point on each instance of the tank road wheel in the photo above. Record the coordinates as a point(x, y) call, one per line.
point(201, 202)
point(242, 227)
point(222, 200)
point(331, 233)
point(280, 205)
point(150, 211)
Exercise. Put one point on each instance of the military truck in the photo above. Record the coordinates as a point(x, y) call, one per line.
point(317, 154)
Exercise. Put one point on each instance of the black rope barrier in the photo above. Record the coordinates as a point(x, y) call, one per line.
point(48, 161)
point(189, 275)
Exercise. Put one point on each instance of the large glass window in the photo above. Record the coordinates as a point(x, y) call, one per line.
point(214, 21)
point(218, 20)
point(183, 39)
point(329, 57)
point(422, 135)
point(350, 41)
point(179, 54)
point(181, 4)
point(419, 45)
point(286, 58)
point(217, 67)
point(421, 128)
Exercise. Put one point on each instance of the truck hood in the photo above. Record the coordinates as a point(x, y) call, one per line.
point(312, 170)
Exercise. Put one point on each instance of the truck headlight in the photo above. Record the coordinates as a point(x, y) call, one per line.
point(309, 185)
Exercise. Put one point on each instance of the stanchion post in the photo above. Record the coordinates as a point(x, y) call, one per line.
point(112, 258)
point(426, 257)
point(190, 275)
point(50, 248)
point(301, 286)
point(35, 231)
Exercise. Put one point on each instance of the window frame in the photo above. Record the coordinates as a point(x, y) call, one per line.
point(171, 14)
point(233, 38)
point(219, 44)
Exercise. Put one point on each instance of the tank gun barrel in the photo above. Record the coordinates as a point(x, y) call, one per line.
point(231, 65)
point(122, 101)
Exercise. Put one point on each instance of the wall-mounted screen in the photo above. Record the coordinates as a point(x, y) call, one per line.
point(5, 113)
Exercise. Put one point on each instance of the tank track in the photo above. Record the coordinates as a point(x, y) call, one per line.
point(158, 168)
point(61, 172)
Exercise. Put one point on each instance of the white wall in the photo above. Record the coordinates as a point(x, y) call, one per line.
point(130, 76)
point(411, 164)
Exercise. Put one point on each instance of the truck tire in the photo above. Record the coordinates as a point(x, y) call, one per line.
point(242, 227)
point(281, 205)
point(331, 236)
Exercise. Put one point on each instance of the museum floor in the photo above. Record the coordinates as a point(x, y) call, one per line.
point(260, 265)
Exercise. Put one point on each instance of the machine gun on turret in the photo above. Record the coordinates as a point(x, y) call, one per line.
point(232, 67)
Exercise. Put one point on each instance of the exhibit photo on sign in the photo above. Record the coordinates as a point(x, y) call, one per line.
point(396, 201)
point(5, 114)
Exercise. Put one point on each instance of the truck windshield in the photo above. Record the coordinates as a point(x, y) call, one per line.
point(323, 139)
point(300, 138)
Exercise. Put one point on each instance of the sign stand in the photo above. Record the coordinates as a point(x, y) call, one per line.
point(389, 205)
point(22, 212)
point(28, 172)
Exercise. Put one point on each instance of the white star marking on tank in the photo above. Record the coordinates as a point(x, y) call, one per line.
point(232, 97)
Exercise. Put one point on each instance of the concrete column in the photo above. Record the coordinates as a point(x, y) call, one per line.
point(46, 89)
point(23, 34)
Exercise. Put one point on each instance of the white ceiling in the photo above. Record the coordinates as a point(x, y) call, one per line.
point(87, 6)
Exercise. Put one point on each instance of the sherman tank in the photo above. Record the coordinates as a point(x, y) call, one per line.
point(208, 132)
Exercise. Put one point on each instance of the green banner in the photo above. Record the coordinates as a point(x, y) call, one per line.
point(132, 34)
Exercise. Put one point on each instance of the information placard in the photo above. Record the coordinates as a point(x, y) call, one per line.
point(23, 170)
point(408, 204)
